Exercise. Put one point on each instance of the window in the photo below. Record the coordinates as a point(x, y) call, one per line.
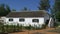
point(21, 20)
point(10, 19)
point(35, 20)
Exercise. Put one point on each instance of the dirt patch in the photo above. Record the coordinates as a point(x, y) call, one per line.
point(43, 31)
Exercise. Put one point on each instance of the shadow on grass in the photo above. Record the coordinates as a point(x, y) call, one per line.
point(3, 33)
point(16, 31)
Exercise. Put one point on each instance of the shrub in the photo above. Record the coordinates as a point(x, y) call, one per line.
point(35, 27)
point(20, 27)
point(10, 28)
point(43, 26)
point(57, 24)
point(28, 27)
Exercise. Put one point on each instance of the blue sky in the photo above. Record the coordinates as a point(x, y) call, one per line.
point(20, 4)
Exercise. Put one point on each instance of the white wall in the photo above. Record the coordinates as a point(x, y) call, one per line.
point(26, 22)
point(46, 17)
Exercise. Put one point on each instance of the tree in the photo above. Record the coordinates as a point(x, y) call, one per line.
point(4, 9)
point(58, 15)
point(57, 9)
point(7, 9)
point(25, 9)
point(44, 5)
point(13, 10)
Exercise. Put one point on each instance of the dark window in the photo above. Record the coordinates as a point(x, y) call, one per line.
point(21, 20)
point(10, 19)
point(35, 20)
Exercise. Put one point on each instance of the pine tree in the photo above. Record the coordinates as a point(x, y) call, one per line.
point(44, 5)
point(57, 9)
point(24, 9)
point(4, 9)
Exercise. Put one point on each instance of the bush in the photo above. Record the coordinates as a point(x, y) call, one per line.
point(10, 28)
point(36, 27)
point(40, 26)
point(43, 26)
point(57, 24)
point(28, 27)
point(17, 28)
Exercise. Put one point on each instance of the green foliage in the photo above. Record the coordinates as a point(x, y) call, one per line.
point(13, 10)
point(4, 9)
point(25, 9)
point(57, 24)
point(44, 5)
point(56, 10)
point(17, 28)
point(9, 28)
point(36, 27)
point(43, 26)
point(28, 27)
point(57, 5)
point(58, 15)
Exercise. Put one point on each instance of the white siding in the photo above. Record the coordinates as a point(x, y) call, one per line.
point(46, 17)
point(26, 22)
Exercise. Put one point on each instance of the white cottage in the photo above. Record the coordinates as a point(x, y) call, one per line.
point(27, 18)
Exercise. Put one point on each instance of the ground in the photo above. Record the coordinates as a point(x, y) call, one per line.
point(43, 31)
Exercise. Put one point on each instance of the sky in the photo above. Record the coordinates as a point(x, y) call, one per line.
point(20, 4)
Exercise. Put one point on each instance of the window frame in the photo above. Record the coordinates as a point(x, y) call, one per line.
point(10, 19)
point(35, 20)
point(21, 20)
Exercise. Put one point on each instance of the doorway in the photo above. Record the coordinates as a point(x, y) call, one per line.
point(46, 23)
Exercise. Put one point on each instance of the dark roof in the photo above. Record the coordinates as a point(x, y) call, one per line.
point(40, 13)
